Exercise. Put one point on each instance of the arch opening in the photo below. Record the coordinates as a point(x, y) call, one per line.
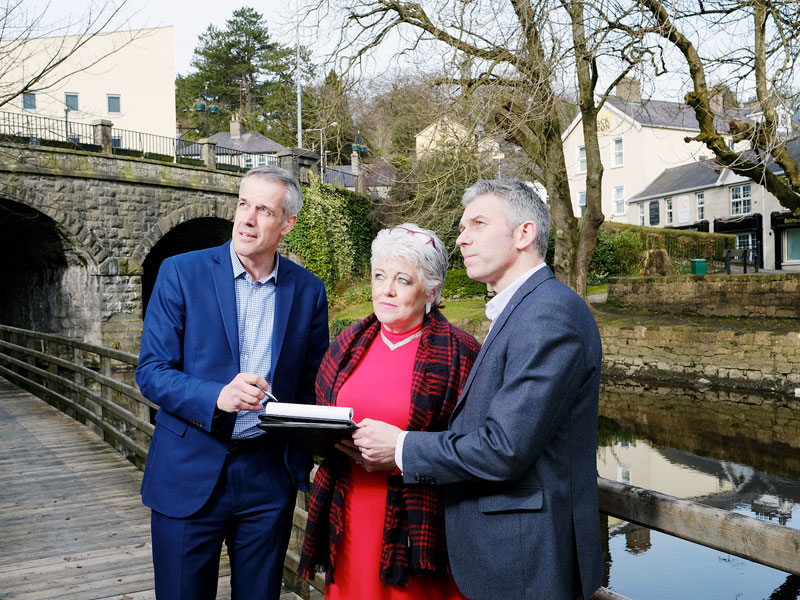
point(196, 234)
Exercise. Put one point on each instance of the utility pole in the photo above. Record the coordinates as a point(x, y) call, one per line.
point(299, 94)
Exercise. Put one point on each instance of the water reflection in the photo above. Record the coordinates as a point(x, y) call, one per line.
point(739, 452)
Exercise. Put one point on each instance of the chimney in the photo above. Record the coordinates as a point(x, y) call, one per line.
point(358, 172)
point(237, 126)
point(630, 90)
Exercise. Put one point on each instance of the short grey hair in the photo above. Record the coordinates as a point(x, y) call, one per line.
point(520, 203)
point(422, 248)
point(292, 200)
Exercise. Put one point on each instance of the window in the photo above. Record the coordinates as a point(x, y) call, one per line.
point(114, 104)
point(29, 101)
point(262, 160)
point(116, 141)
point(71, 100)
point(668, 206)
point(701, 206)
point(623, 474)
point(582, 202)
point(745, 241)
point(248, 161)
point(792, 239)
point(641, 214)
point(619, 200)
point(740, 199)
point(618, 157)
point(581, 159)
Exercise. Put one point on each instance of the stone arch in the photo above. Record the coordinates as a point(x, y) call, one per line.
point(189, 228)
point(84, 242)
point(48, 278)
point(213, 208)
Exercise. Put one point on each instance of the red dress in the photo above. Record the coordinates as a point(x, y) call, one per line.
point(379, 388)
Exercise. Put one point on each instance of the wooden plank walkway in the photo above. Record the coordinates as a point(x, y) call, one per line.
point(72, 525)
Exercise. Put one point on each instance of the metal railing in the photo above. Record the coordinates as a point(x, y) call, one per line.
point(95, 386)
point(30, 129)
point(146, 143)
point(34, 130)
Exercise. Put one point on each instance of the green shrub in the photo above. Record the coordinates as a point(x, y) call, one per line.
point(195, 162)
point(337, 326)
point(457, 284)
point(333, 235)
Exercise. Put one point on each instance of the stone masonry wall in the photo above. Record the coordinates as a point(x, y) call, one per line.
point(757, 361)
point(111, 211)
point(746, 295)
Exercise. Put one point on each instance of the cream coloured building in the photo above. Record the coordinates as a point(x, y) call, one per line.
point(126, 77)
point(703, 196)
point(638, 140)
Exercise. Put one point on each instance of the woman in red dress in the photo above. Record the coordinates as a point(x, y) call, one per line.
point(374, 536)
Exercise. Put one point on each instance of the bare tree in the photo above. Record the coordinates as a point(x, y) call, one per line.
point(34, 53)
point(516, 60)
point(758, 52)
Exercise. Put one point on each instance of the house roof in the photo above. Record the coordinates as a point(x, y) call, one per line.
point(251, 142)
point(702, 174)
point(673, 115)
point(693, 176)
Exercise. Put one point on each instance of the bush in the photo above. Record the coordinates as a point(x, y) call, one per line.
point(458, 285)
point(617, 254)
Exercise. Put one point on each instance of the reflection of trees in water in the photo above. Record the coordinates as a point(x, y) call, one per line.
point(789, 589)
point(759, 431)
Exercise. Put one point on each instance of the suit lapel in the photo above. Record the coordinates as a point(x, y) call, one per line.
point(284, 294)
point(529, 286)
point(226, 297)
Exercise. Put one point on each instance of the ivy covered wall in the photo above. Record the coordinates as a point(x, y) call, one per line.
point(333, 233)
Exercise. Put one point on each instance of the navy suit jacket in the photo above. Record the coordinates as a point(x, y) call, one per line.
point(190, 351)
point(518, 463)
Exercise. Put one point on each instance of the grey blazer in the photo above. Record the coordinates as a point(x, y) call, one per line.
point(518, 462)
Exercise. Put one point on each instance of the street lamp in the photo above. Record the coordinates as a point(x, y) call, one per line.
point(322, 143)
point(204, 108)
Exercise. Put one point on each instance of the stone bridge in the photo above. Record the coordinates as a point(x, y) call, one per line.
point(82, 236)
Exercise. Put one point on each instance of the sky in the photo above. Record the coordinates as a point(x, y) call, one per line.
point(189, 19)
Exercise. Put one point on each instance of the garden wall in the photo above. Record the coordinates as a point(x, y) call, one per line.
point(746, 295)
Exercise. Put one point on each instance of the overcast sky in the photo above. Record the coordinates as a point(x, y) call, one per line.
point(189, 18)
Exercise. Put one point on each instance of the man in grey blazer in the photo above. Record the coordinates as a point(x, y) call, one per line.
point(518, 462)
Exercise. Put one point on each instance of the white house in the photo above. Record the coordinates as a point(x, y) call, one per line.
point(126, 77)
point(638, 139)
point(703, 196)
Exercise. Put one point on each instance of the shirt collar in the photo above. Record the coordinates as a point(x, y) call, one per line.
point(496, 305)
point(238, 268)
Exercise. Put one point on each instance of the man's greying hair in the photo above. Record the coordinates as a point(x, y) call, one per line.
point(520, 203)
point(293, 200)
point(422, 248)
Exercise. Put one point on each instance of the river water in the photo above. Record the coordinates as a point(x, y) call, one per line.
point(735, 451)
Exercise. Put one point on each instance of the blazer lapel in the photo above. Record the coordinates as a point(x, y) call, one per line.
point(226, 297)
point(529, 286)
point(284, 294)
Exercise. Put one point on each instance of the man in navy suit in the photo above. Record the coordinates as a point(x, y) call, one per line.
point(518, 463)
point(223, 325)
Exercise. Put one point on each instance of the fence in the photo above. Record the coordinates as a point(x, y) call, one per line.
point(30, 129)
point(94, 385)
point(46, 131)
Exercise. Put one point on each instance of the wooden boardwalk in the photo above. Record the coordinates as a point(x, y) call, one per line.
point(72, 525)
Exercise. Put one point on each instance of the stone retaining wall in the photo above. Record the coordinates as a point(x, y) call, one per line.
point(696, 356)
point(750, 295)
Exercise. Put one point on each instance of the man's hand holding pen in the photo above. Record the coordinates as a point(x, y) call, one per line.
point(247, 391)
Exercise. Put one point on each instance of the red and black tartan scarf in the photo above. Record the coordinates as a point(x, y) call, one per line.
point(413, 530)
